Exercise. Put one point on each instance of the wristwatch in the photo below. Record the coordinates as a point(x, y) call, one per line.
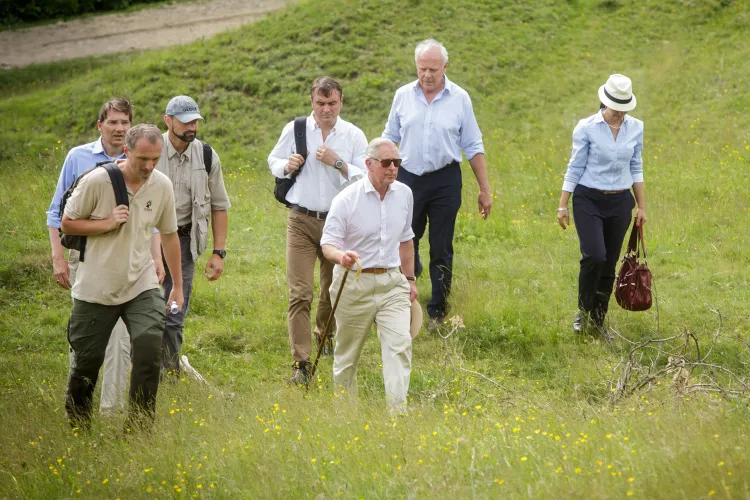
point(339, 164)
point(220, 253)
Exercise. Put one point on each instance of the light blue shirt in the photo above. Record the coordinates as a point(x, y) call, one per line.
point(79, 159)
point(430, 136)
point(599, 161)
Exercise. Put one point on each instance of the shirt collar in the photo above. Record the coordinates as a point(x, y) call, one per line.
point(448, 88)
point(599, 118)
point(171, 151)
point(369, 188)
point(313, 125)
point(99, 149)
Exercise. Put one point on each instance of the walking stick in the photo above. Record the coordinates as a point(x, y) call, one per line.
point(324, 337)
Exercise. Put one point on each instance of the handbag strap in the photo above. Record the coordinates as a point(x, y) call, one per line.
point(636, 236)
point(643, 242)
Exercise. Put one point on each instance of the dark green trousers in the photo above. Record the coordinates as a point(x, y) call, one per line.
point(89, 328)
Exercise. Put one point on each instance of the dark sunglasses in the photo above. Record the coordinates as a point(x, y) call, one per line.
point(386, 162)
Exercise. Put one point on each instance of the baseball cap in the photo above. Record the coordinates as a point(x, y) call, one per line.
point(183, 108)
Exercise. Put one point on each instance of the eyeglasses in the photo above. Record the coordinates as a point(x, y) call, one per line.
point(386, 162)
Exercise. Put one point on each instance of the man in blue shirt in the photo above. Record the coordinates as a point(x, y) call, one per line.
point(432, 119)
point(115, 119)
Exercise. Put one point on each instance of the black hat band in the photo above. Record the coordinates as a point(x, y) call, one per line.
point(618, 101)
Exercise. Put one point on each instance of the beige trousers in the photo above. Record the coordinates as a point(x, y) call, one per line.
point(303, 235)
point(117, 363)
point(383, 299)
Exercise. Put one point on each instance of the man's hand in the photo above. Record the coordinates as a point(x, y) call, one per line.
point(293, 163)
point(640, 217)
point(563, 218)
point(214, 267)
point(348, 259)
point(485, 204)
point(327, 156)
point(62, 272)
point(161, 273)
point(413, 294)
point(119, 217)
point(175, 296)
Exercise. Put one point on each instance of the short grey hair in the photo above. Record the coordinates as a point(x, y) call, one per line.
point(428, 44)
point(374, 146)
point(143, 131)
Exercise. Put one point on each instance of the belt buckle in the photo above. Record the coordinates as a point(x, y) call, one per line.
point(320, 216)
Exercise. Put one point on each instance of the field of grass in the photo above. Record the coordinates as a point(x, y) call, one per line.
point(512, 405)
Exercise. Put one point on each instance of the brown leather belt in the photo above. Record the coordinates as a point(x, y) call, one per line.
point(376, 270)
point(611, 192)
point(309, 213)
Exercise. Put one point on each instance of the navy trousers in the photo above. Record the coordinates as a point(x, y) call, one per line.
point(601, 220)
point(437, 199)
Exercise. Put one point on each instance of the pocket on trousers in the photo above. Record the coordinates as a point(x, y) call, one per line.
point(82, 327)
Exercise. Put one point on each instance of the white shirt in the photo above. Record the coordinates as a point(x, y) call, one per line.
point(360, 221)
point(318, 183)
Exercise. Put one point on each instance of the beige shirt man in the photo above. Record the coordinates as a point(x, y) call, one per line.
point(98, 281)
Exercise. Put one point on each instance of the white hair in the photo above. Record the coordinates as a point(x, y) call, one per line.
point(374, 146)
point(428, 44)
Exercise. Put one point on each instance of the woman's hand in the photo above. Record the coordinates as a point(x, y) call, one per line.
point(640, 217)
point(563, 217)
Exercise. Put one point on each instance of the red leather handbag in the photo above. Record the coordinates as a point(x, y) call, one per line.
point(633, 286)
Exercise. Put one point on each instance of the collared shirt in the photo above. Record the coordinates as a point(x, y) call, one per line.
point(118, 265)
point(360, 221)
point(179, 168)
point(318, 183)
point(430, 136)
point(79, 159)
point(598, 161)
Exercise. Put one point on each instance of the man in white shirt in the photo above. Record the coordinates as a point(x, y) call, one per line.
point(336, 157)
point(370, 221)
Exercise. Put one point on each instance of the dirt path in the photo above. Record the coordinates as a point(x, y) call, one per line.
point(144, 29)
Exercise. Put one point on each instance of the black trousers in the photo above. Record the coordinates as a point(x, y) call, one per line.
point(601, 220)
point(437, 198)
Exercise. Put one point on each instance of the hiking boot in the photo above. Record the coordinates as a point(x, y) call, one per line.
point(580, 322)
point(434, 324)
point(327, 350)
point(301, 373)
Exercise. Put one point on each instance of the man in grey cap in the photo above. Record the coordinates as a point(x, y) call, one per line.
point(195, 171)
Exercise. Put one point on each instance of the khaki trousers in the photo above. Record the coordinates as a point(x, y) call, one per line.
point(116, 360)
point(303, 235)
point(383, 299)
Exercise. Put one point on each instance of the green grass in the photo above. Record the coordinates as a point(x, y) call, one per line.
point(532, 71)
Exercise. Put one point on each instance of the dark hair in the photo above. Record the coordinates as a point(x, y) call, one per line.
point(602, 106)
point(118, 104)
point(325, 85)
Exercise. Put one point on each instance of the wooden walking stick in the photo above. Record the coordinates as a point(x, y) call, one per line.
point(324, 336)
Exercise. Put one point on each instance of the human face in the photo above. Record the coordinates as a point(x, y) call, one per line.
point(142, 159)
point(380, 176)
point(615, 116)
point(431, 71)
point(182, 131)
point(113, 129)
point(326, 109)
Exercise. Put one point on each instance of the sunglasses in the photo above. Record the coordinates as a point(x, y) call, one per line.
point(386, 162)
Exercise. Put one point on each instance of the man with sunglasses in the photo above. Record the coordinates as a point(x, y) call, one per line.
point(432, 119)
point(336, 157)
point(370, 226)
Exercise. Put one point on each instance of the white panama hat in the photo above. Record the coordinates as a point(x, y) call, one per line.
point(617, 93)
point(416, 319)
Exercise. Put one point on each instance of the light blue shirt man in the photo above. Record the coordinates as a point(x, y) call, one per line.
point(432, 135)
point(79, 159)
point(598, 161)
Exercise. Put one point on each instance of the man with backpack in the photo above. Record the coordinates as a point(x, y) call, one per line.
point(315, 158)
point(114, 120)
point(195, 171)
point(116, 208)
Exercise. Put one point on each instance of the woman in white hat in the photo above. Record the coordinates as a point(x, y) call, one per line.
point(604, 166)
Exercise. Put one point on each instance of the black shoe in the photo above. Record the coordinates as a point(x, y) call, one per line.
point(327, 350)
point(301, 373)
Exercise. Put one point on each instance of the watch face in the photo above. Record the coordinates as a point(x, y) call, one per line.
point(339, 164)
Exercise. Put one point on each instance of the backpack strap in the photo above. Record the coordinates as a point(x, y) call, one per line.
point(300, 136)
point(118, 184)
point(208, 157)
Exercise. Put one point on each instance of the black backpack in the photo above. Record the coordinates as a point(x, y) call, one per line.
point(75, 242)
point(208, 157)
point(282, 187)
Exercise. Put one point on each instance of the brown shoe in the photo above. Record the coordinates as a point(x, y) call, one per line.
point(301, 373)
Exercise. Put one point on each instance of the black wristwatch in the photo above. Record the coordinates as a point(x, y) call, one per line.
point(220, 253)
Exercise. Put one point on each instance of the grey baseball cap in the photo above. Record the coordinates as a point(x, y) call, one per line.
point(183, 108)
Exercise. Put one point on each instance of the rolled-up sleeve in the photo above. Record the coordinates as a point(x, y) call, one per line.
point(636, 162)
point(470, 139)
point(67, 177)
point(334, 229)
point(219, 196)
point(393, 125)
point(578, 158)
point(281, 152)
point(356, 168)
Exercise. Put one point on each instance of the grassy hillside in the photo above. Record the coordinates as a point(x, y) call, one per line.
point(541, 422)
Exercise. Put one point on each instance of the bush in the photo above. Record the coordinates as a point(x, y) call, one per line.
point(25, 11)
